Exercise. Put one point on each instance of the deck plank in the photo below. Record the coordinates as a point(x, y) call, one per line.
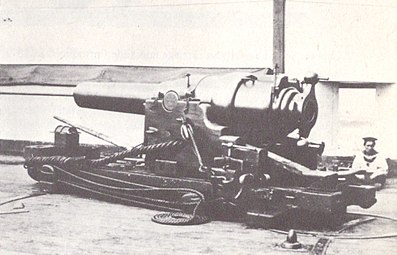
point(65, 224)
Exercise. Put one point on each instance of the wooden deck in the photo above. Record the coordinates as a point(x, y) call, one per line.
point(64, 224)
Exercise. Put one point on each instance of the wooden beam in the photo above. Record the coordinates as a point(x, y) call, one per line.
point(295, 168)
point(71, 75)
point(279, 34)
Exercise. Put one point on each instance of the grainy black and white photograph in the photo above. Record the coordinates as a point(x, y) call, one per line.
point(198, 127)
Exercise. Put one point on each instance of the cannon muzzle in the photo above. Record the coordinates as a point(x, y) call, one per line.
point(118, 97)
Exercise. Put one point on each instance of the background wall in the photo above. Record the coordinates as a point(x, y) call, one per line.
point(165, 33)
point(340, 39)
point(344, 40)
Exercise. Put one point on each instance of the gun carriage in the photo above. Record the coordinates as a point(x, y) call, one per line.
point(231, 146)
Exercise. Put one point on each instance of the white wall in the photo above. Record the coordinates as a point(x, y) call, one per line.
point(340, 39)
point(385, 116)
point(327, 125)
point(344, 40)
point(137, 33)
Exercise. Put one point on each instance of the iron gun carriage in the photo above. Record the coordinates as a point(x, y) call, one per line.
point(231, 146)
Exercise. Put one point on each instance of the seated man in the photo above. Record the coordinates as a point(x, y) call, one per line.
point(372, 162)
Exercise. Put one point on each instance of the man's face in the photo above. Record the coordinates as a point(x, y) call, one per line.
point(369, 146)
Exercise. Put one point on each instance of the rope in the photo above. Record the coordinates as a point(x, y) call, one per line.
point(170, 218)
point(147, 190)
point(165, 218)
point(179, 219)
point(153, 148)
point(82, 162)
point(17, 212)
point(21, 198)
point(113, 196)
point(347, 237)
point(17, 199)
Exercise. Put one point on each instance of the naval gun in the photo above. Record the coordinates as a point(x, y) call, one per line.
point(251, 110)
point(238, 141)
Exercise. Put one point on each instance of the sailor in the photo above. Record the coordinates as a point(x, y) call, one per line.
point(372, 162)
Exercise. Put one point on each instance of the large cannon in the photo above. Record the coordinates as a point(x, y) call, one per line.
point(237, 141)
point(258, 109)
point(271, 107)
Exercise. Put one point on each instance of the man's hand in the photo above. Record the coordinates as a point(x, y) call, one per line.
point(360, 176)
point(376, 174)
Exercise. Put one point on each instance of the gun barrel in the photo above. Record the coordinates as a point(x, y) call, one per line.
point(125, 97)
point(245, 102)
point(118, 97)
